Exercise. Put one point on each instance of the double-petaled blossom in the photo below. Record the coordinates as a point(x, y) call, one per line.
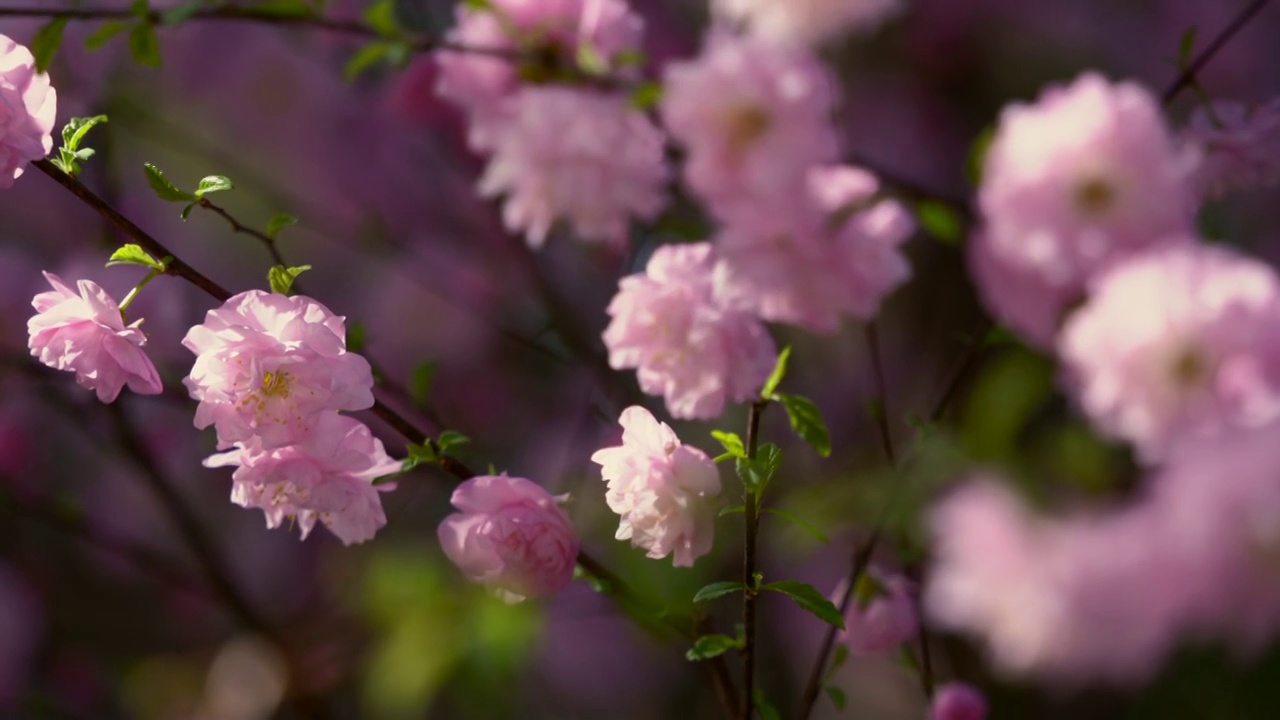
point(685, 344)
point(84, 332)
point(882, 613)
point(28, 106)
point(510, 534)
point(1174, 343)
point(1239, 144)
point(326, 476)
point(665, 492)
point(268, 365)
point(806, 22)
point(958, 701)
point(1086, 175)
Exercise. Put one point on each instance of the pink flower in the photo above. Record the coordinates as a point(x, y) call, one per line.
point(510, 534)
point(1177, 342)
point(838, 254)
point(958, 701)
point(327, 476)
point(687, 346)
point(807, 22)
point(28, 106)
point(84, 333)
point(882, 614)
point(753, 118)
point(665, 492)
point(268, 365)
point(1088, 174)
point(578, 155)
point(1240, 144)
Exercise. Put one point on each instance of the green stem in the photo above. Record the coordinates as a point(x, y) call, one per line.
point(128, 299)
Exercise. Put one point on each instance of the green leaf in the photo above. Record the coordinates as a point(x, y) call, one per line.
point(284, 9)
point(420, 384)
point(837, 696)
point(1187, 45)
point(381, 16)
point(766, 710)
point(731, 510)
point(419, 454)
point(646, 95)
point(803, 525)
point(213, 184)
point(177, 15)
point(806, 420)
point(365, 58)
point(140, 9)
point(46, 42)
point(629, 58)
point(731, 442)
point(143, 44)
point(134, 255)
point(186, 211)
point(450, 439)
point(76, 128)
point(756, 474)
point(281, 278)
point(977, 159)
point(591, 61)
point(841, 656)
point(718, 589)
point(105, 32)
point(477, 4)
point(709, 646)
point(164, 189)
point(940, 220)
point(808, 598)
point(355, 336)
point(779, 372)
point(278, 223)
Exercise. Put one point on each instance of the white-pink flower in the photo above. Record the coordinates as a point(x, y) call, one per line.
point(28, 106)
point(326, 476)
point(685, 344)
point(753, 117)
point(267, 365)
point(1174, 343)
point(958, 701)
point(665, 492)
point(581, 156)
point(807, 22)
point(1088, 174)
point(1240, 145)
point(882, 614)
point(512, 535)
point(84, 333)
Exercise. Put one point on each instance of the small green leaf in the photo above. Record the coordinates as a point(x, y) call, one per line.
point(105, 32)
point(278, 223)
point(976, 162)
point(281, 278)
point(646, 95)
point(718, 589)
point(381, 16)
point(213, 184)
point(803, 525)
point(420, 384)
point(143, 44)
point(450, 439)
point(76, 128)
point(47, 40)
point(186, 211)
point(419, 454)
point(779, 372)
point(365, 58)
point(1187, 45)
point(756, 474)
point(591, 61)
point(477, 4)
point(766, 710)
point(179, 14)
point(355, 336)
point(140, 9)
point(841, 656)
point(709, 646)
point(284, 9)
point(808, 598)
point(164, 189)
point(837, 696)
point(806, 420)
point(731, 442)
point(940, 220)
point(134, 255)
point(731, 510)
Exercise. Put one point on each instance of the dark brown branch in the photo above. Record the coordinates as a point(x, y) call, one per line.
point(1188, 75)
point(236, 227)
point(751, 524)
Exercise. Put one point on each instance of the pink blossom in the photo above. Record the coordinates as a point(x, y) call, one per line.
point(85, 333)
point(268, 365)
point(665, 492)
point(807, 22)
point(510, 534)
point(753, 118)
point(1088, 174)
point(327, 476)
point(958, 701)
point(1177, 342)
point(838, 254)
point(28, 106)
point(1240, 145)
point(578, 155)
point(882, 614)
point(686, 345)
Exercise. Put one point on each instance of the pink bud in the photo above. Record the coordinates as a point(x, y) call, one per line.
point(958, 701)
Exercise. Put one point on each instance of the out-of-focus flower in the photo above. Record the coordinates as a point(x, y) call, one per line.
point(326, 476)
point(665, 491)
point(511, 535)
point(28, 106)
point(686, 345)
point(807, 22)
point(958, 701)
point(84, 333)
point(837, 254)
point(753, 118)
point(267, 365)
point(583, 156)
point(1177, 342)
point(1088, 174)
point(1240, 145)
point(882, 613)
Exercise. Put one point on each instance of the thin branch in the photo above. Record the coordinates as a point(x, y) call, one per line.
point(751, 530)
point(1188, 75)
point(237, 227)
point(881, 399)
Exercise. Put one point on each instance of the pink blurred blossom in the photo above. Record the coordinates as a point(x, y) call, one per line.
point(685, 344)
point(327, 476)
point(958, 701)
point(512, 535)
point(85, 333)
point(28, 108)
point(1240, 145)
point(807, 22)
point(1177, 342)
point(884, 618)
point(665, 492)
point(267, 365)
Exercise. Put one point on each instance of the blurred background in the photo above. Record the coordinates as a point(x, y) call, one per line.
point(109, 524)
